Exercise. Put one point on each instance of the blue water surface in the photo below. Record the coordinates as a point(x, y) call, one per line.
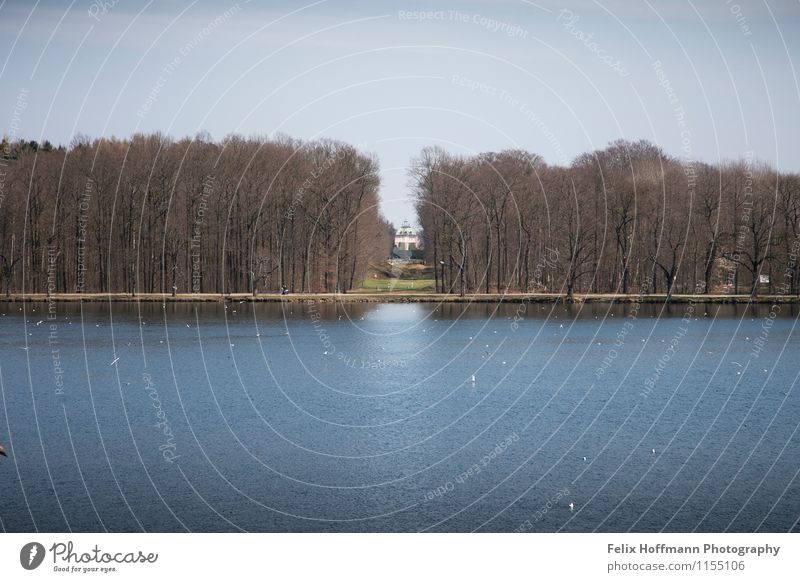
point(365, 417)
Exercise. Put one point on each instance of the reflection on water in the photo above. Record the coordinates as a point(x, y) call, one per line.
point(399, 417)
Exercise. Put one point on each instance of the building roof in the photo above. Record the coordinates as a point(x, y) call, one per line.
point(406, 229)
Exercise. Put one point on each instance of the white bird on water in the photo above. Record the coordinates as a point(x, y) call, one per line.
point(472, 378)
point(653, 452)
point(584, 459)
point(571, 506)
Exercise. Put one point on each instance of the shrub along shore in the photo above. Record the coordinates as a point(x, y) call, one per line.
point(400, 297)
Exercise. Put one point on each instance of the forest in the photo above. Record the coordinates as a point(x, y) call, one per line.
point(625, 219)
point(146, 214)
point(150, 214)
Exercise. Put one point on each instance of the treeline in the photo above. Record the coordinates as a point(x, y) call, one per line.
point(625, 219)
point(149, 213)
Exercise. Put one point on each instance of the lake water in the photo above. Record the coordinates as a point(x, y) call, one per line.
point(364, 417)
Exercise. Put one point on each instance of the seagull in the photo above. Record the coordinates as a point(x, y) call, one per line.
point(584, 459)
point(3, 451)
point(472, 379)
point(653, 452)
point(571, 506)
point(115, 361)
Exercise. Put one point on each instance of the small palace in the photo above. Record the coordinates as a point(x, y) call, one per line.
point(407, 244)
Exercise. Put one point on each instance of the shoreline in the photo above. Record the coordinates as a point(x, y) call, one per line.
point(391, 297)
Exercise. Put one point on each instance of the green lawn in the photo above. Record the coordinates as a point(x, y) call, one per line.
point(376, 285)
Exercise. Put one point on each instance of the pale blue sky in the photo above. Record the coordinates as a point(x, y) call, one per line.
point(555, 78)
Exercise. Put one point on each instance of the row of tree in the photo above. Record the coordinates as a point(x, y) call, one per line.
point(149, 214)
point(625, 219)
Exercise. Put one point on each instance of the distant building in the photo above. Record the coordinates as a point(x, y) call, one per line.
point(407, 244)
point(406, 238)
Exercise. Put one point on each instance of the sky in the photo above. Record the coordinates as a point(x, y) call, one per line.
point(705, 80)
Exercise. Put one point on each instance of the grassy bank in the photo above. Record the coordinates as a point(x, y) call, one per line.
point(397, 297)
point(386, 277)
point(396, 285)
